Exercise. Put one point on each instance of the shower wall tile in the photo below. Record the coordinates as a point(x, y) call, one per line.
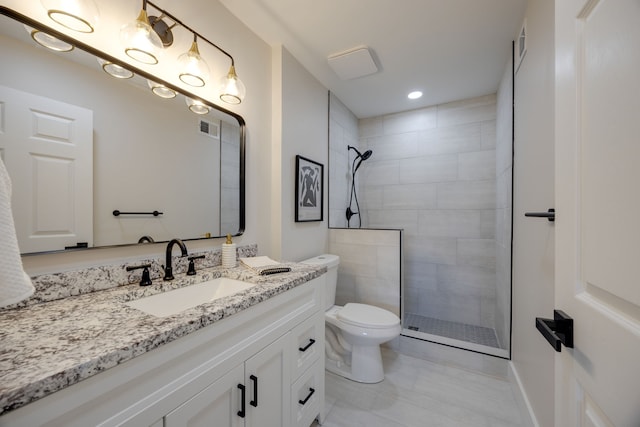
point(370, 266)
point(392, 147)
point(451, 139)
point(478, 165)
point(455, 223)
point(370, 127)
point(410, 196)
point(477, 252)
point(467, 195)
point(462, 280)
point(420, 275)
point(403, 219)
point(424, 169)
point(371, 197)
point(467, 111)
point(380, 173)
point(488, 138)
point(434, 250)
point(415, 120)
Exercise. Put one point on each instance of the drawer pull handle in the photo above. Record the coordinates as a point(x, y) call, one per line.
point(306, 399)
point(242, 412)
point(306, 347)
point(254, 402)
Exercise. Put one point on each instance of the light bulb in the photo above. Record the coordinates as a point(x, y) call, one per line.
point(140, 41)
point(194, 70)
point(196, 106)
point(77, 15)
point(161, 90)
point(232, 90)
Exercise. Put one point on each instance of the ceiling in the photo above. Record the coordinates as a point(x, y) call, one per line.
point(448, 49)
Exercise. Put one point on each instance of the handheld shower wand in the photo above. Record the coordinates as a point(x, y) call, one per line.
point(360, 157)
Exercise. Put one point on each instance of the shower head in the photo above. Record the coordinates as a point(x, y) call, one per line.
point(361, 156)
point(366, 155)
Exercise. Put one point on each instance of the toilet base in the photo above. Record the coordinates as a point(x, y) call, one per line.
point(367, 361)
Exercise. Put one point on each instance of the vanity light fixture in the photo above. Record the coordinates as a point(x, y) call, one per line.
point(140, 41)
point(147, 35)
point(48, 41)
point(194, 70)
point(77, 15)
point(196, 106)
point(161, 90)
point(115, 70)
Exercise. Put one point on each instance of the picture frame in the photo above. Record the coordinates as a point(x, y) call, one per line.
point(309, 190)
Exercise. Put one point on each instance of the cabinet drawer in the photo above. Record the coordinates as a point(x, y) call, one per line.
point(307, 395)
point(307, 344)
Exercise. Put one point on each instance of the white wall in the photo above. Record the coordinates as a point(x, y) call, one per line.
point(533, 251)
point(253, 64)
point(303, 122)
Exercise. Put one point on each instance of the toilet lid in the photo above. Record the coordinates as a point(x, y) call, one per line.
point(367, 316)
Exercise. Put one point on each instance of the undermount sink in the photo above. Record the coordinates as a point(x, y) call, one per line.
point(173, 302)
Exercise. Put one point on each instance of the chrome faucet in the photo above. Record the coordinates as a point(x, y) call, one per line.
point(168, 270)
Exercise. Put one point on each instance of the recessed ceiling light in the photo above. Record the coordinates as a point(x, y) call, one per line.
point(415, 94)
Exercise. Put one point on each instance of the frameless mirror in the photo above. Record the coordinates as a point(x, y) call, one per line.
point(100, 161)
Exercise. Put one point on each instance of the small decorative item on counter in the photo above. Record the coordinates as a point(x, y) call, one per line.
point(229, 253)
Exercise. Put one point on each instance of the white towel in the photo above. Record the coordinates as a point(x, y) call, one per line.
point(15, 284)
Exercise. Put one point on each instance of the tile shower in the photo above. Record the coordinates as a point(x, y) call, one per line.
point(442, 174)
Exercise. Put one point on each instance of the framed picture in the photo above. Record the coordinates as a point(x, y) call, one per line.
point(309, 190)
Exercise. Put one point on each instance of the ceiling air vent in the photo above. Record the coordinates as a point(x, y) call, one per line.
point(212, 130)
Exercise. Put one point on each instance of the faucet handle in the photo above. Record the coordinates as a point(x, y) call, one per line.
point(146, 277)
point(192, 266)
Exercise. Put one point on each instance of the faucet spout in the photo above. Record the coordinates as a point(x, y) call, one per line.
point(168, 269)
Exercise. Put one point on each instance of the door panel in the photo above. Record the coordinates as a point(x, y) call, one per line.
point(597, 204)
point(47, 147)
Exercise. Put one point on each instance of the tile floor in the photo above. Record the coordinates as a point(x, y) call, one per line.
point(455, 330)
point(420, 393)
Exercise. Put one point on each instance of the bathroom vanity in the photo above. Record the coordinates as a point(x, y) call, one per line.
point(255, 358)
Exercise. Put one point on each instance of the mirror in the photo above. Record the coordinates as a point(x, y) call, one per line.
point(99, 161)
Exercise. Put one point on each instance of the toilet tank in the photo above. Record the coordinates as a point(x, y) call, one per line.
point(331, 262)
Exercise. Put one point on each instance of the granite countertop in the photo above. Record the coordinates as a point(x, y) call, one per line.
point(49, 346)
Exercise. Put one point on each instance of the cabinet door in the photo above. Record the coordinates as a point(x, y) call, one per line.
point(216, 405)
point(268, 382)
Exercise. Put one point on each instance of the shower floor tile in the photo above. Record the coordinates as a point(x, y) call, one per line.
point(459, 331)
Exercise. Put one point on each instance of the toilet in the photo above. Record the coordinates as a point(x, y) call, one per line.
point(353, 333)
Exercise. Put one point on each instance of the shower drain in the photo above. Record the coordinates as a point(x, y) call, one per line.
point(413, 328)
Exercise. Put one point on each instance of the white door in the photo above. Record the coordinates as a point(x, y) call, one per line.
point(47, 147)
point(598, 210)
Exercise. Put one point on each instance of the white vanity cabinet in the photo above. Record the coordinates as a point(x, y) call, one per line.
point(276, 345)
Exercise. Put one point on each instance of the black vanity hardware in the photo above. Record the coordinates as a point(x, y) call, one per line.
point(146, 239)
point(557, 331)
point(168, 269)
point(306, 399)
point(146, 278)
point(550, 215)
point(118, 213)
point(242, 411)
point(192, 265)
point(306, 347)
point(254, 401)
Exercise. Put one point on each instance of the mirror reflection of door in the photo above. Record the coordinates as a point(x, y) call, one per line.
point(48, 151)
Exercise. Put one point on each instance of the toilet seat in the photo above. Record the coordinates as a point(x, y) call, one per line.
point(367, 316)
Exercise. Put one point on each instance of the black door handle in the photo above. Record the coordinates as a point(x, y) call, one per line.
point(254, 402)
point(306, 347)
point(550, 214)
point(306, 399)
point(242, 411)
point(557, 331)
